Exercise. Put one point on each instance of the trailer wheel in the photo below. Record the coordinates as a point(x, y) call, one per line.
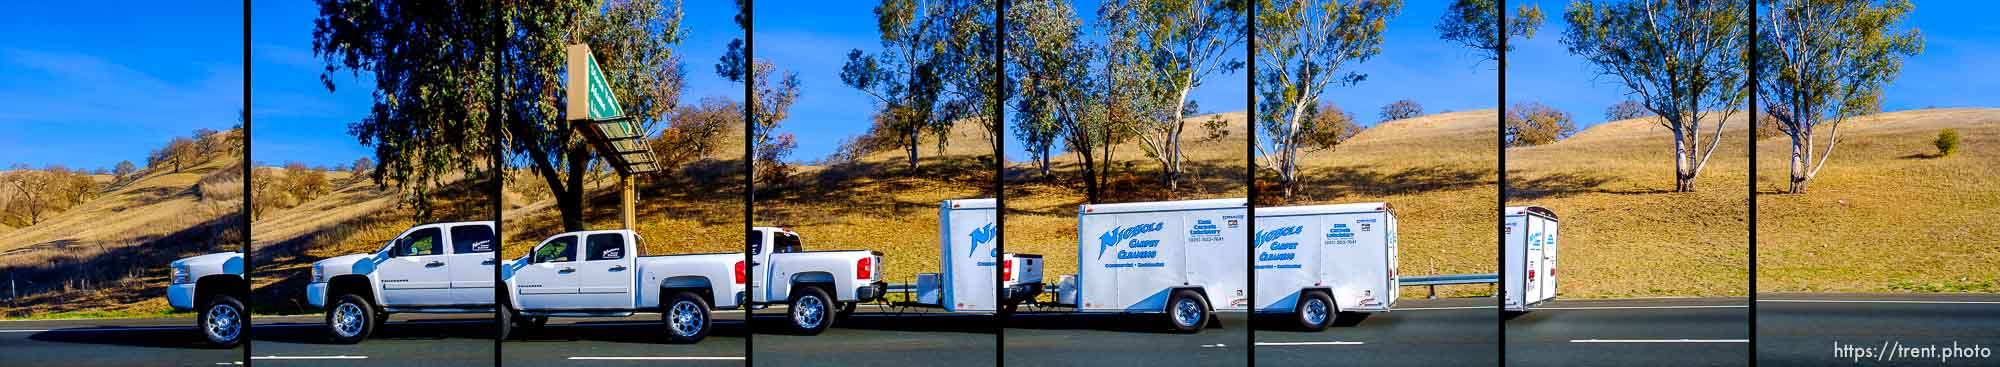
point(221, 321)
point(350, 319)
point(810, 308)
point(686, 318)
point(1187, 311)
point(1315, 311)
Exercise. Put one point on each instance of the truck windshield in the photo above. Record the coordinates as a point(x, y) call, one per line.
point(787, 243)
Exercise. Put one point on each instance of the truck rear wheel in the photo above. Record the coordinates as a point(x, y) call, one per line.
point(686, 318)
point(350, 319)
point(1187, 312)
point(221, 321)
point(1315, 311)
point(809, 310)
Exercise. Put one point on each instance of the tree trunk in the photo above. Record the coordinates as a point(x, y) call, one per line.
point(910, 149)
point(1801, 155)
point(1046, 171)
point(1090, 173)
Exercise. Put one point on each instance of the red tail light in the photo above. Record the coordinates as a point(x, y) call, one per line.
point(1007, 270)
point(1531, 275)
point(739, 272)
point(865, 268)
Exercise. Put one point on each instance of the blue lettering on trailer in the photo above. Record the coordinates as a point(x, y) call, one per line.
point(1339, 234)
point(1111, 238)
point(979, 236)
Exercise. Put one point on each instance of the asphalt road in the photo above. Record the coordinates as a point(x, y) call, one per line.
point(119, 342)
point(1632, 332)
point(1806, 329)
point(406, 340)
point(877, 336)
point(1418, 332)
point(629, 341)
point(1109, 339)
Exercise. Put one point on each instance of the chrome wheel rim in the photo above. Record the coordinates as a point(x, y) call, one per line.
point(223, 323)
point(347, 320)
point(1315, 311)
point(1187, 312)
point(809, 312)
point(686, 318)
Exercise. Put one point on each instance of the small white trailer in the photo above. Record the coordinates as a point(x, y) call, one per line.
point(1318, 261)
point(1530, 266)
point(1170, 257)
point(967, 248)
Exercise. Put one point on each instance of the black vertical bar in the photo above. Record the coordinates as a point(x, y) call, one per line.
point(749, 178)
point(1250, 176)
point(493, 129)
point(1751, 70)
point(1000, 174)
point(248, 335)
point(1500, 219)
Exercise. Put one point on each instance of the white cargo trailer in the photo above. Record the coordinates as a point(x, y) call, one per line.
point(1531, 257)
point(1318, 261)
point(1170, 257)
point(967, 248)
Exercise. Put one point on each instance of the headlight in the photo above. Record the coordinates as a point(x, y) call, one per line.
point(180, 274)
point(318, 276)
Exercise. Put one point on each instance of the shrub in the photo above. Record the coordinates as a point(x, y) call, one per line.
point(1947, 142)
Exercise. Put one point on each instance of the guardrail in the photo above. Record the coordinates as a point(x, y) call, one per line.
point(1432, 281)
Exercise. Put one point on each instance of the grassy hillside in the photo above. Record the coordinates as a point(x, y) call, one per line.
point(109, 256)
point(1624, 233)
point(1886, 214)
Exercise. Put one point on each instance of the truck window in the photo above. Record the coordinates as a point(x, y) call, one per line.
point(787, 243)
point(420, 243)
point(471, 239)
point(756, 242)
point(561, 249)
point(604, 246)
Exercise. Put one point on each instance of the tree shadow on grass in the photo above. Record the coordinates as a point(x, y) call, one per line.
point(1557, 185)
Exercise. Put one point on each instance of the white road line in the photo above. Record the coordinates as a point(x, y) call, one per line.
point(1307, 343)
point(309, 357)
point(1216, 345)
point(1640, 307)
point(1659, 340)
point(656, 358)
point(1493, 307)
point(1879, 301)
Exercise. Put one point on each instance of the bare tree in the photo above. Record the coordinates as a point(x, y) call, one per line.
point(1401, 109)
point(1625, 110)
point(1682, 60)
point(1825, 61)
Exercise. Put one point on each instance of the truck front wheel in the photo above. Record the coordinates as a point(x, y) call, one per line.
point(350, 319)
point(686, 318)
point(809, 310)
point(1187, 311)
point(222, 321)
point(1315, 311)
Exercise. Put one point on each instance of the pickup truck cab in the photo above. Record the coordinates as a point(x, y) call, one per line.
point(430, 268)
point(811, 283)
point(213, 286)
point(607, 274)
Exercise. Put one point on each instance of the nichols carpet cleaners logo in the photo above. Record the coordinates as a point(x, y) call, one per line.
point(1111, 238)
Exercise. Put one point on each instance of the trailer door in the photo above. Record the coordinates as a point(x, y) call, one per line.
point(1355, 245)
point(1514, 269)
point(1548, 259)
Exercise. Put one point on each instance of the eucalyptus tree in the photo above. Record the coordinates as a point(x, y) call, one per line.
point(1824, 61)
point(1683, 60)
point(927, 75)
point(1062, 96)
point(1476, 24)
point(1303, 47)
point(1179, 43)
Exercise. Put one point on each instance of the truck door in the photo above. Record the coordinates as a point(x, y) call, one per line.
point(416, 273)
point(606, 273)
point(549, 281)
point(471, 263)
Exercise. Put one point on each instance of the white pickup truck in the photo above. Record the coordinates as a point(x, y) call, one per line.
point(431, 268)
point(812, 283)
point(213, 285)
point(607, 274)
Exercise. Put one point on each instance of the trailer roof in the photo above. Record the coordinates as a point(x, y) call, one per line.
point(985, 203)
point(1234, 203)
point(1536, 210)
point(1323, 209)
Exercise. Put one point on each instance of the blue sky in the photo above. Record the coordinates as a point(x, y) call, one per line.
point(1960, 44)
point(1416, 65)
point(88, 84)
point(297, 119)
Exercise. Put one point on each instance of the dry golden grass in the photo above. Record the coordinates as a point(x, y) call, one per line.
point(110, 254)
point(1886, 214)
point(1625, 234)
